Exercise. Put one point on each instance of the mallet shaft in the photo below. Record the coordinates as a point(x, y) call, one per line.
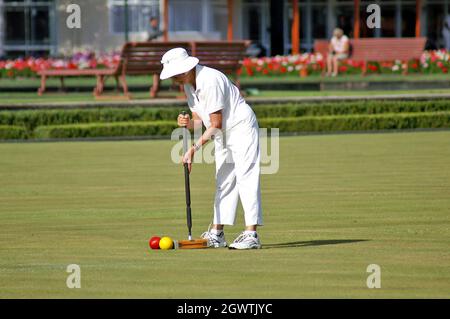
point(187, 183)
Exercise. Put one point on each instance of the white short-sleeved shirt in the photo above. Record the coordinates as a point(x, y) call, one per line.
point(214, 92)
point(338, 44)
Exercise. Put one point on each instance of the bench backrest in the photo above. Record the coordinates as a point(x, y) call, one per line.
point(380, 49)
point(145, 57)
point(222, 55)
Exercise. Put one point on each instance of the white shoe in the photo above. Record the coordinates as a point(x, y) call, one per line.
point(214, 240)
point(246, 241)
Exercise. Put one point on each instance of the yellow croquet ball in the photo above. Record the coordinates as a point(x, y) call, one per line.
point(166, 243)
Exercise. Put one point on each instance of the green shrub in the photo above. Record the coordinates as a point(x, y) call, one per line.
point(286, 125)
point(157, 128)
point(12, 132)
point(32, 119)
point(353, 107)
point(359, 122)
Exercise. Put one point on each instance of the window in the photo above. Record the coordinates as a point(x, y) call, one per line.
point(319, 18)
point(388, 20)
point(344, 18)
point(139, 14)
point(434, 24)
point(219, 22)
point(186, 15)
point(256, 26)
point(408, 20)
point(208, 17)
point(28, 27)
point(313, 22)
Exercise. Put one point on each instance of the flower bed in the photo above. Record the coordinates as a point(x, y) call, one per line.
point(82, 60)
point(431, 62)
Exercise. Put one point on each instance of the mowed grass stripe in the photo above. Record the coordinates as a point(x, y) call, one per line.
point(337, 204)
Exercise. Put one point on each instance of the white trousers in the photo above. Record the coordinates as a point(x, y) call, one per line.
point(238, 175)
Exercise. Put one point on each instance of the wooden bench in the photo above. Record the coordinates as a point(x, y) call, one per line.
point(136, 58)
point(99, 73)
point(144, 58)
point(379, 49)
point(224, 56)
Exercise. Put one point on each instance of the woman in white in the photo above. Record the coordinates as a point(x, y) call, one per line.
point(338, 49)
point(217, 103)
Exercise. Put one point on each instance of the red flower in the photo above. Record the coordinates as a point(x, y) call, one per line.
point(249, 70)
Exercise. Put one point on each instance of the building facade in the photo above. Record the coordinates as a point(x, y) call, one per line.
point(38, 27)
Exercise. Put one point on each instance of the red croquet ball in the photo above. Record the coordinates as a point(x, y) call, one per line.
point(154, 242)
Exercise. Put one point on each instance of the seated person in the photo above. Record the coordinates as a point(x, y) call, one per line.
point(337, 50)
point(154, 31)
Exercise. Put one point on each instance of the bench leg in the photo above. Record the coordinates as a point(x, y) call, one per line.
point(405, 70)
point(63, 87)
point(98, 90)
point(117, 83)
point(155, 86)
point(123, 81)
point(41, 90)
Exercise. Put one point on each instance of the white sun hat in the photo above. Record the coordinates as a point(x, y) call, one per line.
point(176, 61)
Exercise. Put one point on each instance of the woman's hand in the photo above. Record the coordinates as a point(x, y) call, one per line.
point(184, 120)
point(188, 158)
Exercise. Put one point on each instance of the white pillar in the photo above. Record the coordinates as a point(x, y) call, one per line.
point(398, 19)
point(309, 26)
point(206, 13)
point(331, 17)
point(424, 18)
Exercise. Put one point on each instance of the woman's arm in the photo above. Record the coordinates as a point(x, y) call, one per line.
point(216, 125)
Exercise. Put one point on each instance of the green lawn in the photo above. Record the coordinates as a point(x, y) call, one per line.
point(337, 204)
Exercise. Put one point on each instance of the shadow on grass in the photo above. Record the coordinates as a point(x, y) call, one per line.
point(313, 243)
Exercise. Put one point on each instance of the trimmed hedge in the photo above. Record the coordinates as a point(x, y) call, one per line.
point(12, 132)
point(163, 128)
point(349, 108)
point(359, 122)
point(32, 119)
point(286, 125)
